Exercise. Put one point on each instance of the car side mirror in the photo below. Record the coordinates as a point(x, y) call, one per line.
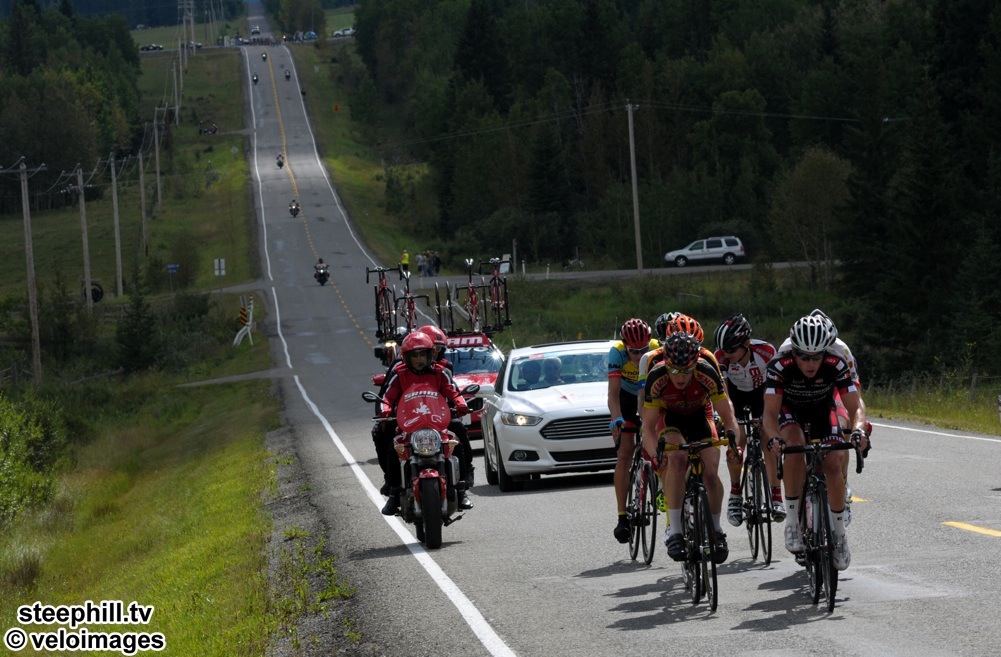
point(486, 389)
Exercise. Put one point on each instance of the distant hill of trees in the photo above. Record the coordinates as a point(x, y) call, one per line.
point(151, 13)
point(861, 135)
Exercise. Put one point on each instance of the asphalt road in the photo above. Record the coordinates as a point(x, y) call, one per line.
point(538, 572)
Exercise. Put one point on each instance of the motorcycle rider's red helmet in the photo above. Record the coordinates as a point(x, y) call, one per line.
point(437, 336)
point(418, 352)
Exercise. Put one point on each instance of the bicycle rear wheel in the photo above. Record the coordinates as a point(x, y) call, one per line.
point(707, 552)
point(651, 484)
point(825, 549)
point(384, 314)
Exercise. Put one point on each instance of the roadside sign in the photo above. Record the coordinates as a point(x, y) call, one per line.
point(220, 266)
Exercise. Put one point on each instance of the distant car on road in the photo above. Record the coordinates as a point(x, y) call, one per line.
point(345, 32)
point(547, 413)
point(255, 30)
point(150, 46)
point(727, 250)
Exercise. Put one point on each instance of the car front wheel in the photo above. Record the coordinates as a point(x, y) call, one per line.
point(506, 483)
point(680, 261)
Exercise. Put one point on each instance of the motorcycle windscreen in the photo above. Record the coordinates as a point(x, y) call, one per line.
point(422, 407)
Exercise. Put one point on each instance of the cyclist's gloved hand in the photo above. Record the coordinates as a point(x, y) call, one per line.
point(859, 438)
point(617, 422)
point(775, 445)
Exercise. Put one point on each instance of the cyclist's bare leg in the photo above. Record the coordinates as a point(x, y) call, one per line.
point(677, 468)
point(624, 462)
point(794, 465)
point(832, 468)
point(714, 486)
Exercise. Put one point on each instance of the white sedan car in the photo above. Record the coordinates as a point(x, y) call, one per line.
point(548, 413)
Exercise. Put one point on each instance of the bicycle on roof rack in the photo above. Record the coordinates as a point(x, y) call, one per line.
point(385, 315)
point(497, 293)
point(471, 305)
point(406, 304)
point(444, 311)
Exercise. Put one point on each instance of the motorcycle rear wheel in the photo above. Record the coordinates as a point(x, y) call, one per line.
point(431, 513)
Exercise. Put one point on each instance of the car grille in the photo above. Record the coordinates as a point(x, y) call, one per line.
point(605, 454)
point(579, 427)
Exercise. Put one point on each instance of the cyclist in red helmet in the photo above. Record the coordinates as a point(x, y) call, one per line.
point(623, 376)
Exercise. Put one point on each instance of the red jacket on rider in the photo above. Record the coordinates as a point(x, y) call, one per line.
point(401, 378)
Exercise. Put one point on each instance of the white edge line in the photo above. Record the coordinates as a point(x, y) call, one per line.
point(481, 628)
point(937, 433)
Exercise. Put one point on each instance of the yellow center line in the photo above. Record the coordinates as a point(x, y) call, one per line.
point(973, 528)
point(302, 209)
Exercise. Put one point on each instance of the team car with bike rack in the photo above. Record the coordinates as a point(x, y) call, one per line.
point(475, 359)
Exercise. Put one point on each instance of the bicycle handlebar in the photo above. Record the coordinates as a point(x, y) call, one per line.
point(381, 271)
point(819, 447)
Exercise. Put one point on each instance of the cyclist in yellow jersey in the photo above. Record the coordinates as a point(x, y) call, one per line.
point(623, 376)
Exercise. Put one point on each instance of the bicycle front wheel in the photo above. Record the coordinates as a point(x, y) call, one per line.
point(708, 551)
point(651, 486)
point(825, 549)
point(634, 503)
point(750, 506)
point(811, 527)
point(763, 511)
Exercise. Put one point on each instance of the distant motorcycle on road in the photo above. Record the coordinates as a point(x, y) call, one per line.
point(321, 274)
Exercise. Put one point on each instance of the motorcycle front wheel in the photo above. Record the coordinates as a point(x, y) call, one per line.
point(431, 512)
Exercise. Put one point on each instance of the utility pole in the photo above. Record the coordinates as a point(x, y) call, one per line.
point(156, 144)
point(142, 201)
point(29, 254)
point(86, 244)
point(636, 197)
point(118, 233)
point(177, 98)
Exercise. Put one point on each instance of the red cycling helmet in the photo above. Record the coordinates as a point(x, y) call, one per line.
point(437, 336)
point(685, 324)
point(635, 333)
point(418, 352)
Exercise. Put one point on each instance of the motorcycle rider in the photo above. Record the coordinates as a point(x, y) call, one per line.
point(293, 206)
point(288, 74)
point(320, 267)
point(417, 366)
point(264, 56)
point(255, 78)
point(465, 451)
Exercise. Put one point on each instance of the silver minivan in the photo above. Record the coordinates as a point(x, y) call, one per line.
point(727, 250)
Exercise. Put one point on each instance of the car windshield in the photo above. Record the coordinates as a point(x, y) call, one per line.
point(474, 360)
point(547, 369)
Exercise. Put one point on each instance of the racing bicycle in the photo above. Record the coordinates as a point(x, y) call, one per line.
point(698, 529)
point(815, 521)
point(406, 305)
point(757, 492)
point(641, 501)
point(443, 311)
point(500, 314)
point(385, 317)
point(472, 303)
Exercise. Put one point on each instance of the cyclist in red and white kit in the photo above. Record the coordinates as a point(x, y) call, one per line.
point(743, 362)
point(800, 390)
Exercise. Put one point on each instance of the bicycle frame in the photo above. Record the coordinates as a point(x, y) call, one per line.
point(472, 303)
point(406, 306)
point(497, 285)
point(699, 567)
point(756, 491)
point(641, 502)
point(814, 515)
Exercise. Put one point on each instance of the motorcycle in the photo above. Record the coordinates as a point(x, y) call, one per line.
point(264, 56)
point(255, 78)
point(281, 162)
point(430, 470)
point(321, 275)
point(288, 75)
point(293, 208)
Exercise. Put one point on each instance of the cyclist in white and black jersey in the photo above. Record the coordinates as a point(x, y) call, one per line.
point(801, 389)
point(743, 362)
point(841, 349)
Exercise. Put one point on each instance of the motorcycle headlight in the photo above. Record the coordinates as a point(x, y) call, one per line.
point(520, 420)
point(426, 442)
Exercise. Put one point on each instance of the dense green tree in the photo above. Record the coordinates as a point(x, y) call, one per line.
point(480, 54)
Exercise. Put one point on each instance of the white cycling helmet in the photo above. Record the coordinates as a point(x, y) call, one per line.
point(817, 312)
point(812, 334)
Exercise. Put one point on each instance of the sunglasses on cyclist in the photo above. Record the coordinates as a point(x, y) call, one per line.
point(804, 356)
point(675, 370)
point(640, 350)
point(734, 350)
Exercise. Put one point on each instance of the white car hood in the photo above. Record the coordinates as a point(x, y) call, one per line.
point(558, 398)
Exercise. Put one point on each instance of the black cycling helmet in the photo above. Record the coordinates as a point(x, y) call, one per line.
point(732, 333)
point(681, 351)
point(660, 325)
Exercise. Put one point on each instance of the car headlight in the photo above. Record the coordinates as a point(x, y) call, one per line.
point(520, 420)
